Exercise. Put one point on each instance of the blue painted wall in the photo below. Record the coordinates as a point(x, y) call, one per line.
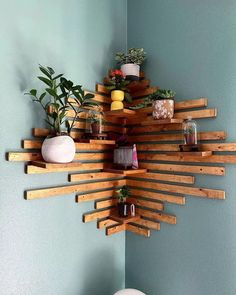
point(44, 246)
point(191, 48)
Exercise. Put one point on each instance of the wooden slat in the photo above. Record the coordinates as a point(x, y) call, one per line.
point(46, 165)
point(102, 89)
point(144, 92)
point(210, 170)
point(100, 98)
point(179, 200)
point(162, 122)
point(138, 230)
point(106, 222)
point(31, 144)
point(126, 172)
point(148, 223)
point(43, 132)
point(215, 135)
point(221, 159)
point(64, 190)
point(171, 219)
point(91, 216)
point(93, 156)
point(105, 203)
point(219, 147)
point(167, 177)
point(20, 156)
point(124, 113)
point(94, 196)
point(92, 176)
point(106, 128)
point(84, 166)
point(154, 128)
point(128, 219)
point(199, 114)
point(193, 191)
point(145, 203)
point(114, 229)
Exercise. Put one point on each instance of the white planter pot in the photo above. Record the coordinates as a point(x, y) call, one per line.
point(130, 70)
point(129, 292)
point(163, 109)
point(58, 149)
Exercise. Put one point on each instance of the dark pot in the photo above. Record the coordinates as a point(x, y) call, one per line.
point(190, 139)
point(95, 128)
point(123, 209)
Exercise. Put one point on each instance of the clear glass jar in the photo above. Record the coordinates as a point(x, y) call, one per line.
point(94, 122)
point(190, 131)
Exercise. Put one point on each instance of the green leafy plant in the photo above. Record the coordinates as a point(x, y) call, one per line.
point(122, 194)
point(134, 56)
point(141, 105)
point(56, 99)
point(117, 81)
point(162, 94)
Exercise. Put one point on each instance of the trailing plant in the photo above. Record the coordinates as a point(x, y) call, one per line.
point(117, 81)
point(144, 104)
point(134, 56)
point(56, 99)
point(122, 194)
point(162, 94)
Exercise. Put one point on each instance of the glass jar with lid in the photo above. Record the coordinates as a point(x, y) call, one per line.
point(94, 122)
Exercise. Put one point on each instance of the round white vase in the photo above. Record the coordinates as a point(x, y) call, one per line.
point(129, 292)
point(58, 149)
point(130, 70)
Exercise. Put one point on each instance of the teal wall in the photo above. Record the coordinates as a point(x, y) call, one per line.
point(44, 246)
point(191, 47)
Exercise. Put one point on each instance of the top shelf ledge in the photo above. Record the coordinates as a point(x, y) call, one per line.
point(160, 122)
point(124, 113)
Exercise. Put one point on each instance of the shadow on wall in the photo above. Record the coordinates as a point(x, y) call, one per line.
point(102, 275)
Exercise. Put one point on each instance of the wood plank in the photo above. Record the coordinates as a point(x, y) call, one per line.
point(31, 144)
point(138, 230)
point(148, 223)
point(94, 196)
point(167, 177)
point(105, 128)
point(210, 170)
point(154, 128)
point(157, 147)
point(161, 122)
point(144, 92)
point(92, 176)
point(114, 229)
point(125, 172)
point(191, 154)
point(22, 156)
point(70, 189)
point(145, 203)
point(30, 169)
point(46, 165)
point(125, 220)
point(179, 200)
point(215, 135)
point(102, 89)
point(167, 218)
point(93, 156)
point(221, 159)
point(199, 114)
point(91, 216)
point(43, 132)
point(124, 113)
point(106, 222)
point(105, 203)
point(193, 191)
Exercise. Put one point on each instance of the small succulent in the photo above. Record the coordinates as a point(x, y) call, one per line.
point(122, 194)
point(134, 56)
point(162, 94)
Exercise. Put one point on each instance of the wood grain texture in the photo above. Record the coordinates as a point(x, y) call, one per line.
point(163, 217)
point(69, 189)
point(114, 229)
point(91, 216)
point(148, 223)
point(87, 197)
point(192, 191)
point(92, 176)
point(208, 170)
point(23, 156)
point(106, 222)
point(136, 229)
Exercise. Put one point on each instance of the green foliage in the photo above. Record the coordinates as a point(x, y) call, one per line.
point(122, 194)
point(134, 56)
point(162, 94)
point(141, 105)
point(55, 99)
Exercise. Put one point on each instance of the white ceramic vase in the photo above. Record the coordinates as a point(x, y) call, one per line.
point(129, 292)
point(131, 70)
point(58, 149)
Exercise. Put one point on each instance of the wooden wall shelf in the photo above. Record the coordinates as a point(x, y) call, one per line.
point(165, 174)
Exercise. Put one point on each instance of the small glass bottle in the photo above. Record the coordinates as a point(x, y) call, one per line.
point(190, 131)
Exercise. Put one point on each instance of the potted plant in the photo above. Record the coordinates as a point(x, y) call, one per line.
point(123, 206)
point(117, 84)
point(162, 103)
point(131, 62)
point(95, 120)
point(59, 147)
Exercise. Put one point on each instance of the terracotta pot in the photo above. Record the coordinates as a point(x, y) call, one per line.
point(58, 149)
point(163, 109)
point(131, 71)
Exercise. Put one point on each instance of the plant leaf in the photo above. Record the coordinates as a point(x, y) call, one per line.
point(33, 92)
point(45, 71)
point(46, 81)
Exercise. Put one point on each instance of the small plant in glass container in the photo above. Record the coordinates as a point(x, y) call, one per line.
point(123, 206)
point(190, 132)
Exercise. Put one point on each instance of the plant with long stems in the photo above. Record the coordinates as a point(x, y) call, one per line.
point(59, 97)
